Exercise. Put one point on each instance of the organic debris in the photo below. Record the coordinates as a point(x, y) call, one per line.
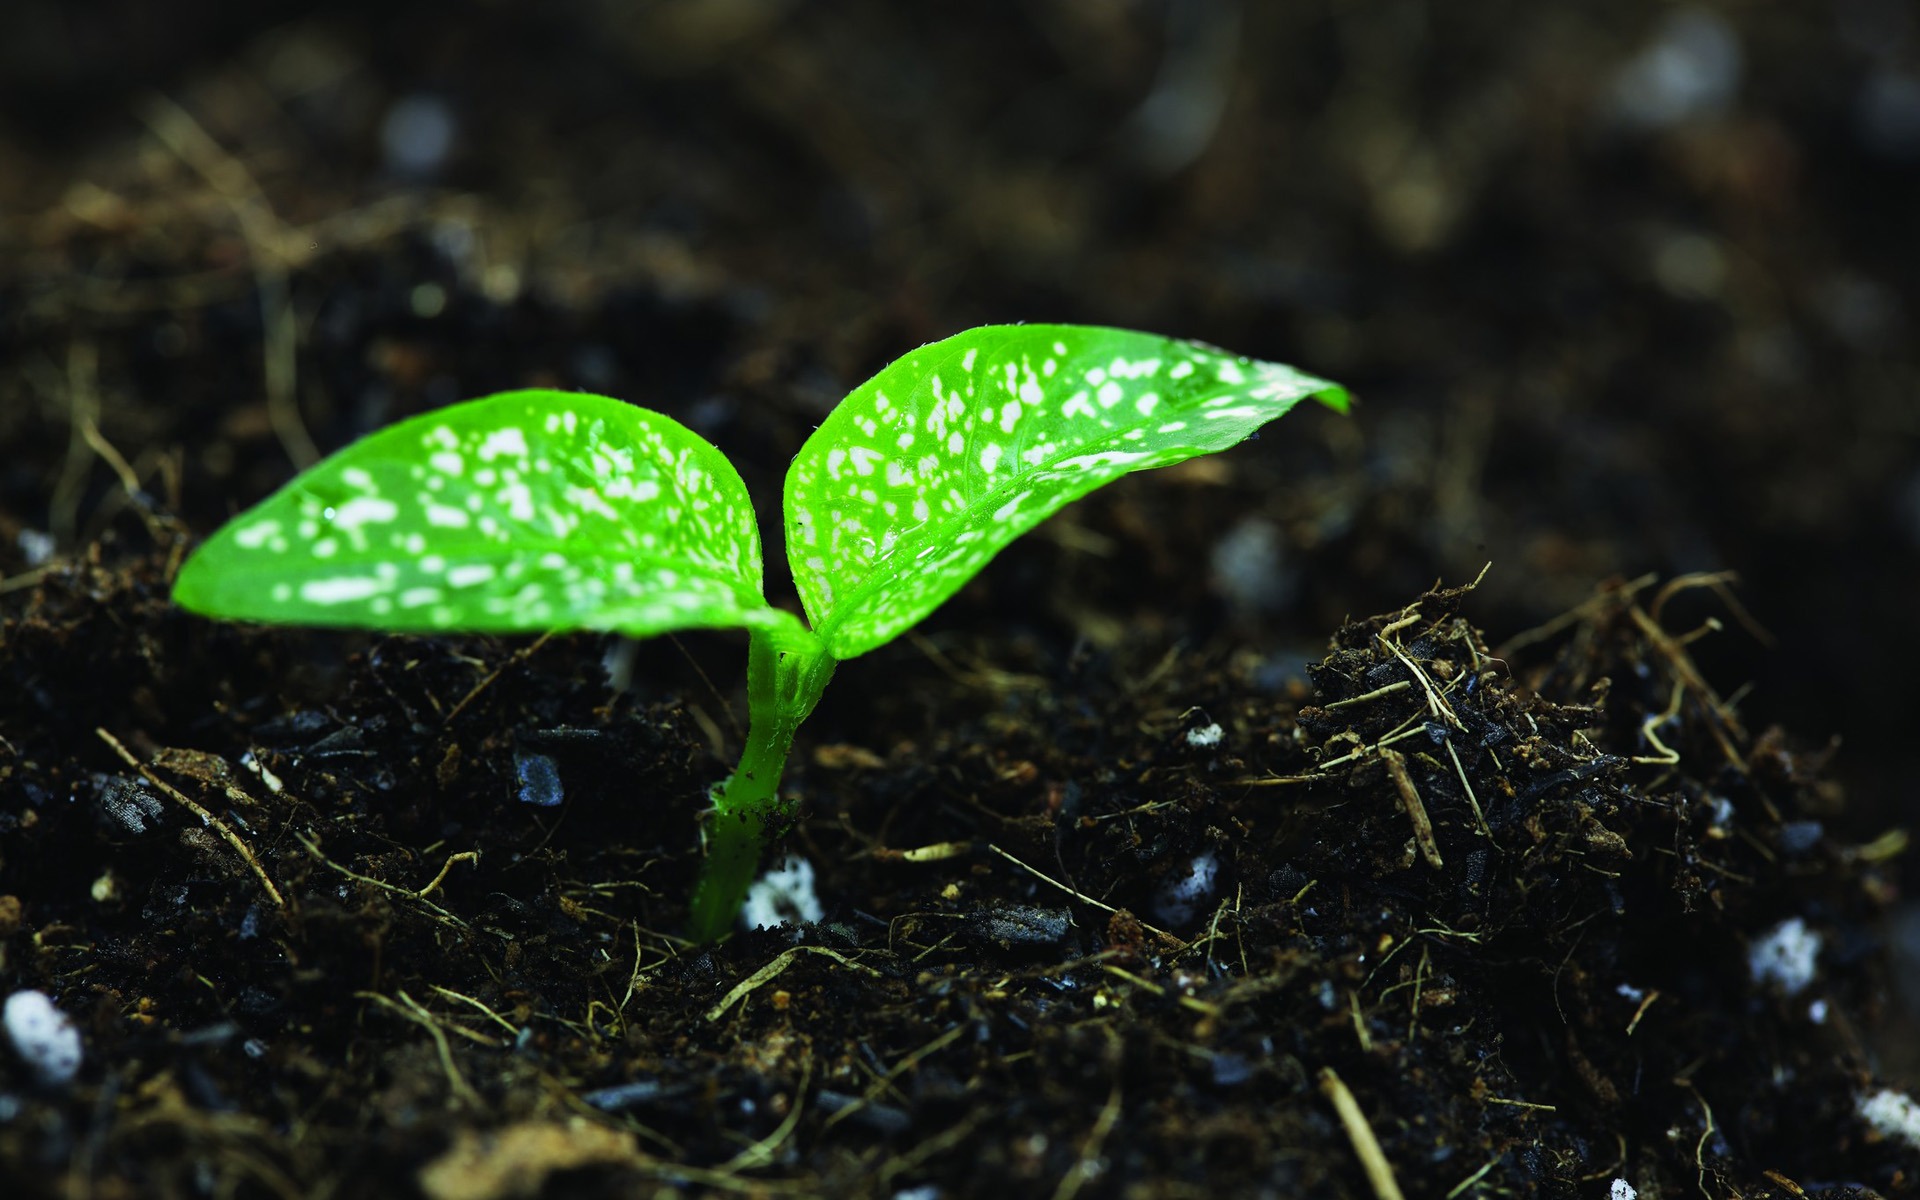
point(1446, 921)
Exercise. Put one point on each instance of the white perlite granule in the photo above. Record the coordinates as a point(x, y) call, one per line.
point(1893, 1113)
point(1180, 897)
point(1206, 735)
point(1785, 956)
point(782, 896)
point(1622, 1190)
point(45, 1038)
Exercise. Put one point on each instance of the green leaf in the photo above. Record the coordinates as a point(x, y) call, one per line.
point(930, 468)
point(527, 511)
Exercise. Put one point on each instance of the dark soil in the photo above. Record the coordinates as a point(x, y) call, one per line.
point(1501, 889)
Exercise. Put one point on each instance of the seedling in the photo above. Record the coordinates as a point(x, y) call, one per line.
point(536, 511)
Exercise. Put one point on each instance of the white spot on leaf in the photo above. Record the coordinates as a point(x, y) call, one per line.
point(343, 589)
point(364, 510)
point(253, 536)
point(471, 574)
point(504, 442)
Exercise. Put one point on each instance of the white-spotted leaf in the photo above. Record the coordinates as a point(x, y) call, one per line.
point(527, 511)
point(930, 468)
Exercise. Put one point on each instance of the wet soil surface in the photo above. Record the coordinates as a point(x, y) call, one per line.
point(1147, 870)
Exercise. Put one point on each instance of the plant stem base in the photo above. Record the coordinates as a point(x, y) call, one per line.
point(787, 669)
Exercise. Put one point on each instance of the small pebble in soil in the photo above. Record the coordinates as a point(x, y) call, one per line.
point(623, 1096)
point(417, 135)
point(45, 1038)
point(1785, 956)
point(1182, 895)
point(1691, 69)
point(127, 802)
point(782, 896)
point(537, 779)
point(1206, 736)
point(36, 547)
point(1893, 1114)
point(1009, 925)
point(1722, 812)
point(1799, 837)
point(1231, 1070)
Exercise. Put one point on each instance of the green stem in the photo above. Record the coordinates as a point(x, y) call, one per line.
point(787, 669)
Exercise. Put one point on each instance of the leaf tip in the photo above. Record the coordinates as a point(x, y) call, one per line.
point(1337, 398)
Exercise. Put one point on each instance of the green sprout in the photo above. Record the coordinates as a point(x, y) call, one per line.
point(540, 511)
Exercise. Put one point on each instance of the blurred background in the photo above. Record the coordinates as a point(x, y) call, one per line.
point(1623, 287)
